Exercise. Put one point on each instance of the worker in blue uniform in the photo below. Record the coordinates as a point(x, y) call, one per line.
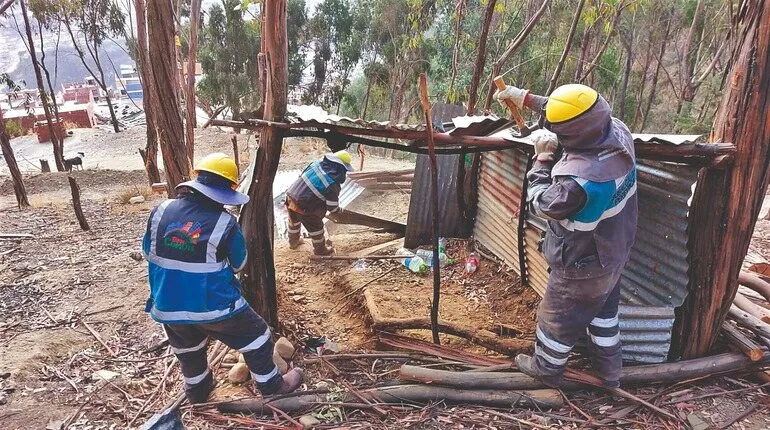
point(194, 247)
point(588, 196)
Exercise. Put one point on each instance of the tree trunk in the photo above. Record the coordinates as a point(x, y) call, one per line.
point(10, 161)
point(57, 140)
point(236, 154)
point(75, 189)
point(459, 15)
point(481, 57)
point(145, 71)
point(727, 202)
point(369, 82)
point(567, 46)
point(603, 48)
point(105, 88)
point(195, 16)
point(584, 42)
point(517, 42)
point(57, 155)
point(690, 52)
point(258, 277)
point(654, 84)
point(164, 94)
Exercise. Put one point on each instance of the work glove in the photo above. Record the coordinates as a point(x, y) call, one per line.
point(546, 144)
point(517, 95)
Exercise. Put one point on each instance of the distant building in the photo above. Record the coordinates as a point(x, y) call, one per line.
point(129, 83)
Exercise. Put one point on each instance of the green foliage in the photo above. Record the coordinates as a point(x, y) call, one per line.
point(14, 128)
point(228, 51)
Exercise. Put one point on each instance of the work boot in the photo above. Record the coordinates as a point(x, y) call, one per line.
point(290, 381)
point(526, 365)
point(322, 249)
point(295, 241)
point(200, 392)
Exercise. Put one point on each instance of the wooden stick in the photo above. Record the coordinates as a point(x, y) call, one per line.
point(469, 380)
point(407, 393)
point(745, 304)
point(741, 342)
point(355, 257)
point(97, 337)
point(743, 415)
point(15, 236)
point(755, 283)
point(515, 114)
point(749, 321)
point(434, 207)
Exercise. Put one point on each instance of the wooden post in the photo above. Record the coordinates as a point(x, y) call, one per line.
point(257, 216)
point(434, 206)
point(44, 167)
point(13, 166)
point(76, 204)
point(727, 202)
point(195, 16)
point(236, 154)
point(160, 23)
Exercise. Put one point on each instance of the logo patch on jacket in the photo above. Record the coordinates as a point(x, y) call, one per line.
point(182, 235)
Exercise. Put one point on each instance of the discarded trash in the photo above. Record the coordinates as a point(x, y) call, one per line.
point(471, 263)
point(415, 264)
point(360, 265)
point(404, 252)
point(136, 200)
point(107, 375)
point(427, 256)
point(442, 245)
point(317, 345)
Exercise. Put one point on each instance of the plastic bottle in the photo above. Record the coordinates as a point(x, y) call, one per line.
point(427, 256)
point(441, 245)
point(471, 263)
point(415, 264)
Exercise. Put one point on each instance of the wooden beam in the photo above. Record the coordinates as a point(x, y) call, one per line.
point(685, 153)
point(741, 342)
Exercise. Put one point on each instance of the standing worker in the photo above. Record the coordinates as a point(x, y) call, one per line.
point(315, 192)
point(588, 197)
point(194, 248)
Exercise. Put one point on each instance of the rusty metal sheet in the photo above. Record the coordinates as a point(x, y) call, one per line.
point(645, 332)
point(537, 267)
point(499, 199)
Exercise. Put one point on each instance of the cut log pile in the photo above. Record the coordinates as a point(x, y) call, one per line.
point(383, 180)
point(747, 328)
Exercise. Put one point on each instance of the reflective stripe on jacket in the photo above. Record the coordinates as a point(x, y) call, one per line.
point(603, 200)
point(317, 190)
point(193, 248)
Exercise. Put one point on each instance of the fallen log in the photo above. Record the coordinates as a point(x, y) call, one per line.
point(749, 321)
point(741, 342)
point(479, 336)
point(468, 380)
point(398, 242)
point(632, 375)
point(355, 257)
point(548, 399)
point(752, 308)
point(350, 217)
point(754, 282)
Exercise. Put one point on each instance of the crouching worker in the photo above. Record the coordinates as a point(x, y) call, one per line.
point(588, 197)
point(315, 192)
point(194, 248)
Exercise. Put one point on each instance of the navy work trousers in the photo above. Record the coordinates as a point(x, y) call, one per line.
point(246, 332)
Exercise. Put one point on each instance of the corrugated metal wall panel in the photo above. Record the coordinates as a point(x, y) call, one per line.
point(420, 221)
point(499, 199)
point(655, 279)
point(656, 273)
point(537, 267)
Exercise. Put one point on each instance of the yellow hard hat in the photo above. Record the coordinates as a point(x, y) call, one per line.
point(344, 156)
point(569, 101)
point(219, 164)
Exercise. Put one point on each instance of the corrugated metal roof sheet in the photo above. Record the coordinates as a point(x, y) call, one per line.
point(672, 139)
point(655, 279)
point(499, 199)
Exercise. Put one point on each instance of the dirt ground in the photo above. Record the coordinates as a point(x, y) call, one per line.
point(74, 337)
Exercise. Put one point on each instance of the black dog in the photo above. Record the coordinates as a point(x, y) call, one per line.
point(76, 161)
